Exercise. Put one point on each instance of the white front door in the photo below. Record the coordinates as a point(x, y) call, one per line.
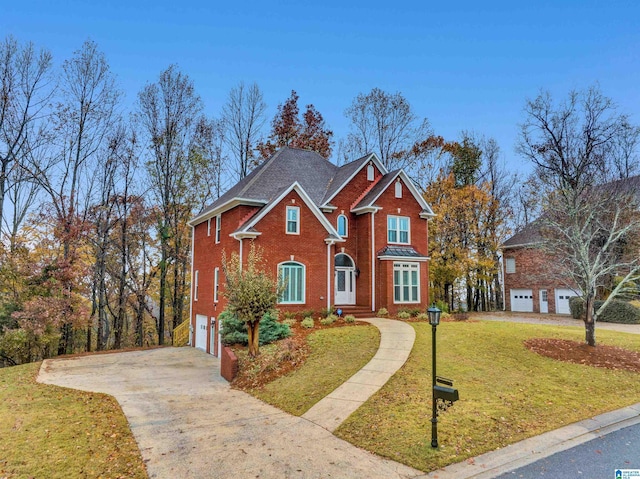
point(201, 332)
point(544, 301)
point(345, 285)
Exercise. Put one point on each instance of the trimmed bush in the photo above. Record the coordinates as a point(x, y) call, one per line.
point(404, 315)
point(235, 332)
point(442, 306)
point(307, 312)
point(349, 318)
point(425, 316)
point(382, 313)
point(576, 306)
point(329, 319)
point(289, 322)
point(618, 312)
point(307, 323)
point(324, 312)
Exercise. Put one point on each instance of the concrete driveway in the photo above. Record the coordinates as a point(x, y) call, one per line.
point(190, 424)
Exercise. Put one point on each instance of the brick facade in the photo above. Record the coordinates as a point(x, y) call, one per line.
point(316, 245)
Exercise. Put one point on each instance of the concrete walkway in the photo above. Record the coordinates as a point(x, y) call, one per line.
point(396, 342)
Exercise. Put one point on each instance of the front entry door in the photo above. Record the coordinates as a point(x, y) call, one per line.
point(345, 286)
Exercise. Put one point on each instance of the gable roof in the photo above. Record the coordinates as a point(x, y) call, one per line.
point(317, 178)
point(529, 235)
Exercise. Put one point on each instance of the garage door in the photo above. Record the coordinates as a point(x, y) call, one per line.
point(562, 300)
point(522, 300)
point(201, 332)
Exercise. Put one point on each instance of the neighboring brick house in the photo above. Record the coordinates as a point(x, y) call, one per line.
point(353, 237)
point(530, 281)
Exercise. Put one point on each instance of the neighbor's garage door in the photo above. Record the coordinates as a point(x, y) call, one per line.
point(562, 300)
point(522, 300)
point(201, 332)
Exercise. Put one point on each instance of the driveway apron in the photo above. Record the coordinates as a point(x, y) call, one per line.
point(189, 423)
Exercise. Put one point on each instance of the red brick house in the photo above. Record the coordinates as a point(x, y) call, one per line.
point(353, 237)
point(530, 283)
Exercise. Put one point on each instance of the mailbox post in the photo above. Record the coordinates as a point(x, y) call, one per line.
point(434, 319)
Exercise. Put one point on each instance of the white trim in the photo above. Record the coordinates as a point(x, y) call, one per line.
point(398, 230)
point(216, 283)
point(371, 158)
point(510, 265)
point(304, 281)
point(226, 206)
point(371, 172)
point(522, 245)
point(240, 252)
point(366, 209)
point(296, 220)
point(398, 189)
point(196, 285)
point(209, 227)
point(400, 265)
point(373, 262)
point(404, 258)
point(245, 234)
point(191, 325)
point(218, 228)
point(295, 186)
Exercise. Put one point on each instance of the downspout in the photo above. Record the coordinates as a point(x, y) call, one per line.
point(373, 263)
point(191, 327)
point(240, 240)
point(328, 275)
point(504, 287)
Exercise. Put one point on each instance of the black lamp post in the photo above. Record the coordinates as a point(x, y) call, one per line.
point(434, 319)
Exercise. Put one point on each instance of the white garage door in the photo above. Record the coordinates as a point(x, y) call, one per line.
point(201, 332)
point(562, 300)
point(522, 300)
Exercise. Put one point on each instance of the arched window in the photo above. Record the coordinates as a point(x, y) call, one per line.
point(343, 260)
point(371, 173)
point(343, 226)
point(398, 189)
point(292, 275)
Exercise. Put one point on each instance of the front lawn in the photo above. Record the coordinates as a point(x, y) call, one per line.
point(336, 354)
point(507, 393)
point(53, 432)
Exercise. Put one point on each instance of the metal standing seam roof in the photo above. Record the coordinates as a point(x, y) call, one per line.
point(400, 251)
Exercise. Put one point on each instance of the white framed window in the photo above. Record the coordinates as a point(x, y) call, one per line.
point(196, 276)
point(371, 172)
point(292, 275)
point(343, 226)
point(406, 282)
point(398, 189)
point(398, 229)
point(510, 265)
point(293, 220)
point(216, 279)
point(209, 227)
point(218, 228)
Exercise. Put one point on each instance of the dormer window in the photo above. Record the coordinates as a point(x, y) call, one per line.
point(371, 172)
point(398, 189)
point(343, 226)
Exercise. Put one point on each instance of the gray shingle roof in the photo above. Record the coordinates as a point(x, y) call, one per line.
point(342, 175)
point(400, 251)
point(379, 187)
point(528, 235)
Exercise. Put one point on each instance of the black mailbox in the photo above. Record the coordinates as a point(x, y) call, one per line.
point(446, 393)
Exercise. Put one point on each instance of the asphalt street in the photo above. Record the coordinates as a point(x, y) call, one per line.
point(596, 459)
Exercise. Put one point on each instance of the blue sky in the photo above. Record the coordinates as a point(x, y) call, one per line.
point(464, 65)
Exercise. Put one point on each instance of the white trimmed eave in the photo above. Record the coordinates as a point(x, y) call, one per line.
point(245, 234)
point(416, 194)
point(232, 203)
point(366, 209)
point(332, 241)
point(371, 158)
point(427, 216)
point(305, 198)
point(522, 245)
point(420, 259)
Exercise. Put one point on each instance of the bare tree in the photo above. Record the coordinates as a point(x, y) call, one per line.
point(624, 151)
point(25, 90)
point(211, 161)
point(243, 117)
point(590, 228)
point(385, 123)
point(168, 111)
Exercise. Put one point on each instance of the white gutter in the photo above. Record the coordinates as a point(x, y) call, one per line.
point(328, 276)
point(193, 234)
point(240, 239)
point(504, 287)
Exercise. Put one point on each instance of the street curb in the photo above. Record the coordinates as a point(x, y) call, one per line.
point(514, 456)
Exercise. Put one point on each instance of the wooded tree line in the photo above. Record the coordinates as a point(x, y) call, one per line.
point(94, 200)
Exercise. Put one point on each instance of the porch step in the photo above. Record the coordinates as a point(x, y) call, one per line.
point(357, 311)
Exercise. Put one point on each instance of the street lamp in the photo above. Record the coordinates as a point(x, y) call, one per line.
point(434, 319)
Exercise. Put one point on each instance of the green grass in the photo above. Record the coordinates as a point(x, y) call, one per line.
point(507, 393)
point(336, 354)
point(53, 432)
